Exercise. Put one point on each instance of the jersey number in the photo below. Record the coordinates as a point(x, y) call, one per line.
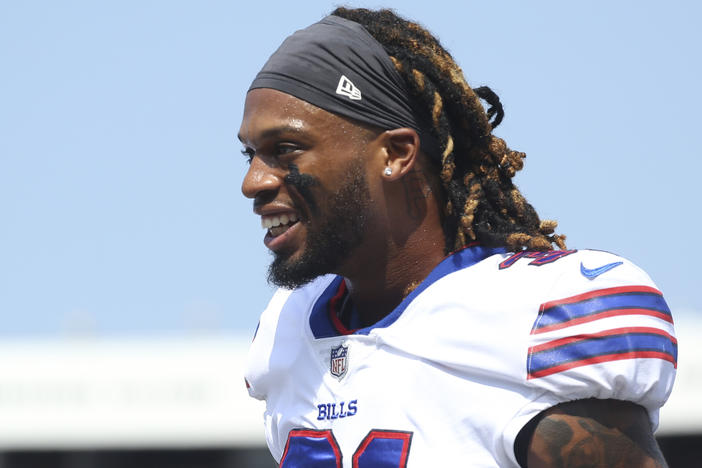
point(308, 448)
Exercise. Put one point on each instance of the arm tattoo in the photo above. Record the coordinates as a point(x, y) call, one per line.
point(416, 191)
point(594, 434)
point(560, 434)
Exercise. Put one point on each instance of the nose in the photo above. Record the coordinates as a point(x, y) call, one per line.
point(259, 178)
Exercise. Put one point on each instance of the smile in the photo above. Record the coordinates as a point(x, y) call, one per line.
point(278, 224)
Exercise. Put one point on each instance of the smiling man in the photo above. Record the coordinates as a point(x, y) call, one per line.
point(424, 317)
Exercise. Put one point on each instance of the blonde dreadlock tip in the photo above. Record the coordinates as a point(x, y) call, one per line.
point(419, 78)
point(449, 147)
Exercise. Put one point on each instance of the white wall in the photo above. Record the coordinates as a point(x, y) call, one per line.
point(682, 414)
point(185, 392)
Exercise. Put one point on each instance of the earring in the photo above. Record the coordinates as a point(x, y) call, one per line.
point(387, 171)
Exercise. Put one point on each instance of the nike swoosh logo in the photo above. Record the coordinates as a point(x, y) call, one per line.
point(595, 272)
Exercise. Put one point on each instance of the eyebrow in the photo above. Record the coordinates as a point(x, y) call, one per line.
point(276, 131)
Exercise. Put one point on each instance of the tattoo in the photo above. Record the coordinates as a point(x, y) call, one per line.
point(416, 191)
point(603, 445)
point(302, 182)
point(560, 435)
point(595, 434)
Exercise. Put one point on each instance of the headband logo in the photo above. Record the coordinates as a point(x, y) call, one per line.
point(348, 89)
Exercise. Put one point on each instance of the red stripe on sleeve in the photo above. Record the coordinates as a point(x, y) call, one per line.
point(603, 358)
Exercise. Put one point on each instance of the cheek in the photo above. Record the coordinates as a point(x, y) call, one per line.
point(303, 184)
point(298, 180)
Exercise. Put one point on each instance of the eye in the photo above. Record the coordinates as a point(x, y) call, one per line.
point(286, 148)
point(249, 154)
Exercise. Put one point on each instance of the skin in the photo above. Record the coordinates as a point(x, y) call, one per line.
point(594, 434)
point(404, 240)
point(299, 154)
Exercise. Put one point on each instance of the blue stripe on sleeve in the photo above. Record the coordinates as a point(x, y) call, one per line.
point(634, 300)
point(598, 346)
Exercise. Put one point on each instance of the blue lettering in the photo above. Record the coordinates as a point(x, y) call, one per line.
point(322, 412)
point(352, 407)
point(342, 414)
point(329, 411)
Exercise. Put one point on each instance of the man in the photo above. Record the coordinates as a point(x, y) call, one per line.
point(424, 317)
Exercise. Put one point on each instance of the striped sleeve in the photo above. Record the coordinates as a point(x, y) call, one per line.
point(608, 337)
point(609, 302)
point(603, 335)
point(605, 332)
point(587, 329)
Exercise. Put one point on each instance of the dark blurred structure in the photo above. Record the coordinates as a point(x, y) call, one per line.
point(684, 451)
point(200, 458)
point(680, 452)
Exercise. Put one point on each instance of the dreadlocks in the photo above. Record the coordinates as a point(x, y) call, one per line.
point(476, 167)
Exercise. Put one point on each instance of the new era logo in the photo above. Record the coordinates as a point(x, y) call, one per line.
point(348, 89)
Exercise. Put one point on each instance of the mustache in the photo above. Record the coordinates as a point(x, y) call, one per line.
point(303, 184)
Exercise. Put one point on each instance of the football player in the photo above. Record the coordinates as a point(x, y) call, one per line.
point(426, 315)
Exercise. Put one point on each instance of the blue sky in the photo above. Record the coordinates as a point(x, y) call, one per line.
point(120, 172)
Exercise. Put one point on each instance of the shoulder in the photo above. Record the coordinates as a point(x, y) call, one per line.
point(566, 286)
point(599, 329)
point(292, 305)
point(280, 332)
point(574, 287)
point(564, 324)
point(603, 331)
point(572, 270)
point(551, 272)
point(521, 285)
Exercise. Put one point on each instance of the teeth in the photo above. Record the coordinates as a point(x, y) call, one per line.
point(268, 222)
point(278, 230)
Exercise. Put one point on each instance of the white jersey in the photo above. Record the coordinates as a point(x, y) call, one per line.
point(485, 343)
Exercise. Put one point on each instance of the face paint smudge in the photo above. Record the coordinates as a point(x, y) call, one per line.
point(338, 229)
point(303, 183)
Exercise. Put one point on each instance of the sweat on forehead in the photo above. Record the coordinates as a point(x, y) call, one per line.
point(338, 66)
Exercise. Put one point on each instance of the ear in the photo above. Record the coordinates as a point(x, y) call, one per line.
point(401, 147)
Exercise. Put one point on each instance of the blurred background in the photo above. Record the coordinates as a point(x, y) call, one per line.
point(132, 271)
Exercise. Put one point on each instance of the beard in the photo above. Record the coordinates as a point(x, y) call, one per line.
point(343, 225)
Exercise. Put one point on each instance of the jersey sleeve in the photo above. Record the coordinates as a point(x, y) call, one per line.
point(603, 331)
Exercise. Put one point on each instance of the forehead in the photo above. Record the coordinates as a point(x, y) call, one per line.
point(267, 110)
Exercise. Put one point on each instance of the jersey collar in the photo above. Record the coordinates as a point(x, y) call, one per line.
point(325, 323)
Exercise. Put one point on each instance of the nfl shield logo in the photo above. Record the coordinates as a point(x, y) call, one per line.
point(339, 363)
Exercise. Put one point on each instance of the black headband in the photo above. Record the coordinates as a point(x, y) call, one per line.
point(337, 65)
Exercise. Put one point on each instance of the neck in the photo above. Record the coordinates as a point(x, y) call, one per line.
point(383, 281)
point(404, 243)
